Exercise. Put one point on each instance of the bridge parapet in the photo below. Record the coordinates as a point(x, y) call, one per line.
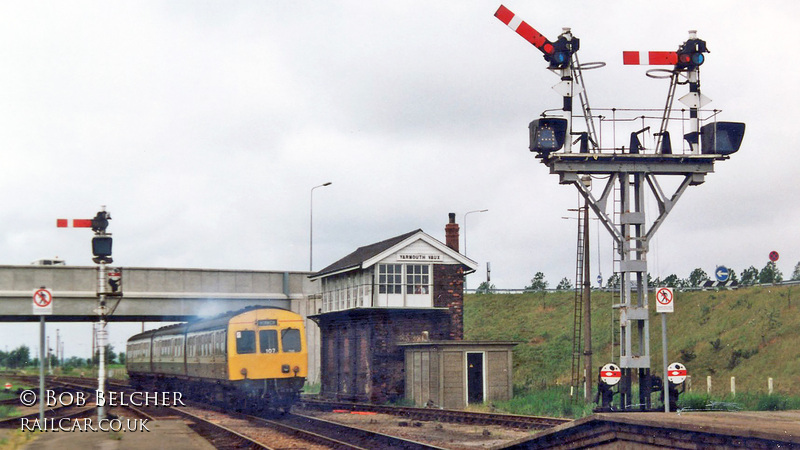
point(150, 294)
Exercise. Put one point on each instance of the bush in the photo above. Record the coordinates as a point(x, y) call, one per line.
point(693, 401)
point(738, 355)
point(688, 355)
point(772, 402)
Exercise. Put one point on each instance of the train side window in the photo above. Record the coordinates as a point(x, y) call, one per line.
point(245, 342)
point(290, 338)
point(268, 340)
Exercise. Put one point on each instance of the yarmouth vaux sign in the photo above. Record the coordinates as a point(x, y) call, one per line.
point(418, 257)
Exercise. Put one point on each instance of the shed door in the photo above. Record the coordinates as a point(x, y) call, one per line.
point(475, 378)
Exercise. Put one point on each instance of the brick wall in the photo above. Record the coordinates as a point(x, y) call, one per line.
point(448, 292)
point(361, 358)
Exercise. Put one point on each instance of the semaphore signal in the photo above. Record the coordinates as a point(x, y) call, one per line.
point(562, 58)
point(628, 173)
point(101, 249)
point(526, 31)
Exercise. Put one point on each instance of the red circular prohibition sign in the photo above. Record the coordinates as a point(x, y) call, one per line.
point(42, 298)
point(664, 296)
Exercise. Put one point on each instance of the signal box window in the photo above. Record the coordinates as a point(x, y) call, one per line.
point(268, 340)
point(245, 342)
point(390, 278)
point(290, 338)
point(417, 279)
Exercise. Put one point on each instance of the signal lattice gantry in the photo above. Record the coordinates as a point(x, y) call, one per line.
point(631, 171)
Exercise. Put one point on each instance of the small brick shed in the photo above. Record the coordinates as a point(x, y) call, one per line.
point(453, 374)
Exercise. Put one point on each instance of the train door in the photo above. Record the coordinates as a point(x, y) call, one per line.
point(475, 378)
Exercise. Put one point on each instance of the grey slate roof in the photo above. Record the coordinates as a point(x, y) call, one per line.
point(354, 260)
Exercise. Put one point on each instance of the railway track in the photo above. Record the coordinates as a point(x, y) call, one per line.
point(232, 430)
point(53, 414)
point(441, 415)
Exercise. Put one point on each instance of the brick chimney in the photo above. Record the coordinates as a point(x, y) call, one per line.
point(451, 233)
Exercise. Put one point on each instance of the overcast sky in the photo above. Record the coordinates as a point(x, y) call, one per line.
point(203, 127)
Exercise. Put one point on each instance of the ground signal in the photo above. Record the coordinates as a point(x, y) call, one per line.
point(676, 373)
point(610, 374)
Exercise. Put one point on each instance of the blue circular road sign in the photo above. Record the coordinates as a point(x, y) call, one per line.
point(722, 273)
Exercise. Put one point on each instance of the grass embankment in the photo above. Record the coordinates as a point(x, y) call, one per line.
point(751, 334)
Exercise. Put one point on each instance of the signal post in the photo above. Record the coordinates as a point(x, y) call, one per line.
point(101, 249)
point(630, 173)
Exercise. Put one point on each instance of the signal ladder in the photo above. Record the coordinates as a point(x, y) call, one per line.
point(616, 268)
point(577, 320)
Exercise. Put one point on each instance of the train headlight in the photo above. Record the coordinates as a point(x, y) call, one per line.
point(243, 372)
point(285, 368)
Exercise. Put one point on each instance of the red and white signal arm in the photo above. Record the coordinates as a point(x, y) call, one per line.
point(610, 374)
point(676, 373)
point(42, 302)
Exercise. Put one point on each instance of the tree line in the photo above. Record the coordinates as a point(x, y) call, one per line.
point(20, 357)
point(750, 276)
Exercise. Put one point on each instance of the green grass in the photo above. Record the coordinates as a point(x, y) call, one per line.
point(7, 411)
point(745, 401)
point(310, 388)
point(750, 334)
point(551, 402)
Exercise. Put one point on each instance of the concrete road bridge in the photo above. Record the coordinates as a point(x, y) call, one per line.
point(159, 295)
point(150, 294)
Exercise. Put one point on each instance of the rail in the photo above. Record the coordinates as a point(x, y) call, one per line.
point(442, 415)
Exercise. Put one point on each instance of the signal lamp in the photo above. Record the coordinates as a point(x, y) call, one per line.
point(721, 138)
point(690, 54)
point(547, 134)
point(101, 249)
point(562, 52)
point(100, 222)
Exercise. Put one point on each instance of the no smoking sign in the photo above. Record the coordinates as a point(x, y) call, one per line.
point(665, 300)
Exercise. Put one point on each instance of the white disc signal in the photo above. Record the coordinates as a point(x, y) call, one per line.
point(610, 374)
point(676, 373)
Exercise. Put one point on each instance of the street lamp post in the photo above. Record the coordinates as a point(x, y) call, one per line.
point(465, 236)
point(311, 228)
point(465, 226)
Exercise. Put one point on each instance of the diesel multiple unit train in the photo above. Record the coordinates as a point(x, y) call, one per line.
point(254, 358)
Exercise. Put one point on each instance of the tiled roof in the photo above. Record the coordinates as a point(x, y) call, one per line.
point(354, 260)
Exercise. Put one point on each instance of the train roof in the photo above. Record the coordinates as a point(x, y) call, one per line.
point(199, 323)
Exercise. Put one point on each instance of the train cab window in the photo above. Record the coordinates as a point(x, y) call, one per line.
point(245, 342)
point(268, 341)
point(290, 338)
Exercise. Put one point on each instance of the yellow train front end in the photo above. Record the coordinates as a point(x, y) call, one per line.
point(267, 355)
